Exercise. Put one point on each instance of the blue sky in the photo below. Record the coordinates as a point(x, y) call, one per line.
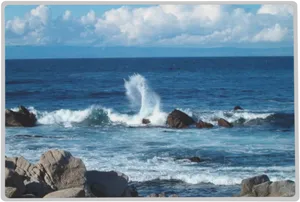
point(178, 26)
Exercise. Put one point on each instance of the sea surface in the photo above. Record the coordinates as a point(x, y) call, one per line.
point(94, 108)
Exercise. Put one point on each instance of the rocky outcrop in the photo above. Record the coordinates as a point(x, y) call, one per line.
point(261, 186)
point(224, 123)
point(60, 175)
point(22, 118)
point(202, 124)
point(178, 119)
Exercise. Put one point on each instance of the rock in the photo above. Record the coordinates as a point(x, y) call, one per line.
point(178, 119)
point(28, 196)
point(61, 170)
point(237, 108)
point(284, 188)
point(224, 123)
point(145, 121)
point(107, 184)
point(247, 184)
point(37, 188)
point(13, 179)
point(21, 118)
point(195, 159)
point(202, 124)
point(261, 190)
point(12, 192)
point(130, 191)
point(67, 193)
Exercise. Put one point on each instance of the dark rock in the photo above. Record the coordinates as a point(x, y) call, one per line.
point(247, 184)
point(21, 118)
point(107, 184)
point(195, 159)
point(145, 121)
point(14, 180)
point(37, 188)
point(67, 193)
point(178, 119)
point(224, 123)
point(237, 108)
point(61, 170)
point(28, 196)
point(202, 124)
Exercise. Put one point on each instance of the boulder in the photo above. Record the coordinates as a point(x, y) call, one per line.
point(61, 170)
point(237, 108)
point(247, 184)
point(13, 179)
point(224, 123)
point(261, 190)
point(67, 193)
point(107, 184)
point(202, 124)
point(37, 188)
point(145, 121)
point(284, 188)
point(22, 118)
point(178, 119)
point(12, 192)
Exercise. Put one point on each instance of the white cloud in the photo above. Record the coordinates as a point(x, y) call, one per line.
point(41, 12)
point(166, 25)
point(89, 18)
point(67, 15)
point(276, 10)
point(273, 34)
point(16, 25)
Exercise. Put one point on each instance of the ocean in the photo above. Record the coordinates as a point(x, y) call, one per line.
point(94, 108)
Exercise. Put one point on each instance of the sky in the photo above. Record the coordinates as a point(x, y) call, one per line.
point(150, 26)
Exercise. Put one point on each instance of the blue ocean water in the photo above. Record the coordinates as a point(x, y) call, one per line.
point(94, 107)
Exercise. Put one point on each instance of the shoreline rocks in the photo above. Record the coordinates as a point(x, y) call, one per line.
point(224, 123)
point(202, 124)
point(22, 118)
point(60, 175)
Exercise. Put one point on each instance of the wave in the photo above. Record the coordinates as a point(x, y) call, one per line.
point(147, 104)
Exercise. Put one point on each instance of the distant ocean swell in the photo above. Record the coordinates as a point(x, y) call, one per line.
point(147, 103)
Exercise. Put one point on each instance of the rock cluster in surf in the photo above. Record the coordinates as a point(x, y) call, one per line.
point(60, 175)
point(21, 118)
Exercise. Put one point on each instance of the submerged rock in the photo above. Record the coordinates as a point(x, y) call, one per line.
point(224, 123)
point(179, 119)
point(22, 118)
point(202, 124)
point(195, 159)
point(237, 108)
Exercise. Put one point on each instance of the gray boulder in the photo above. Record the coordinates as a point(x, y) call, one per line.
point(107, 184)
point(67, 193)
point(62, 170)
point(247, 184)
point(12, 192)
point(261, 190)
point(13, 180)
point(284, 188)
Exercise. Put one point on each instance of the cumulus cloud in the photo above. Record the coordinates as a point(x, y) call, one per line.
point(276, 10)
point(273, 34)
point(89, 18)
point(157, 25)
point(67, 15)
